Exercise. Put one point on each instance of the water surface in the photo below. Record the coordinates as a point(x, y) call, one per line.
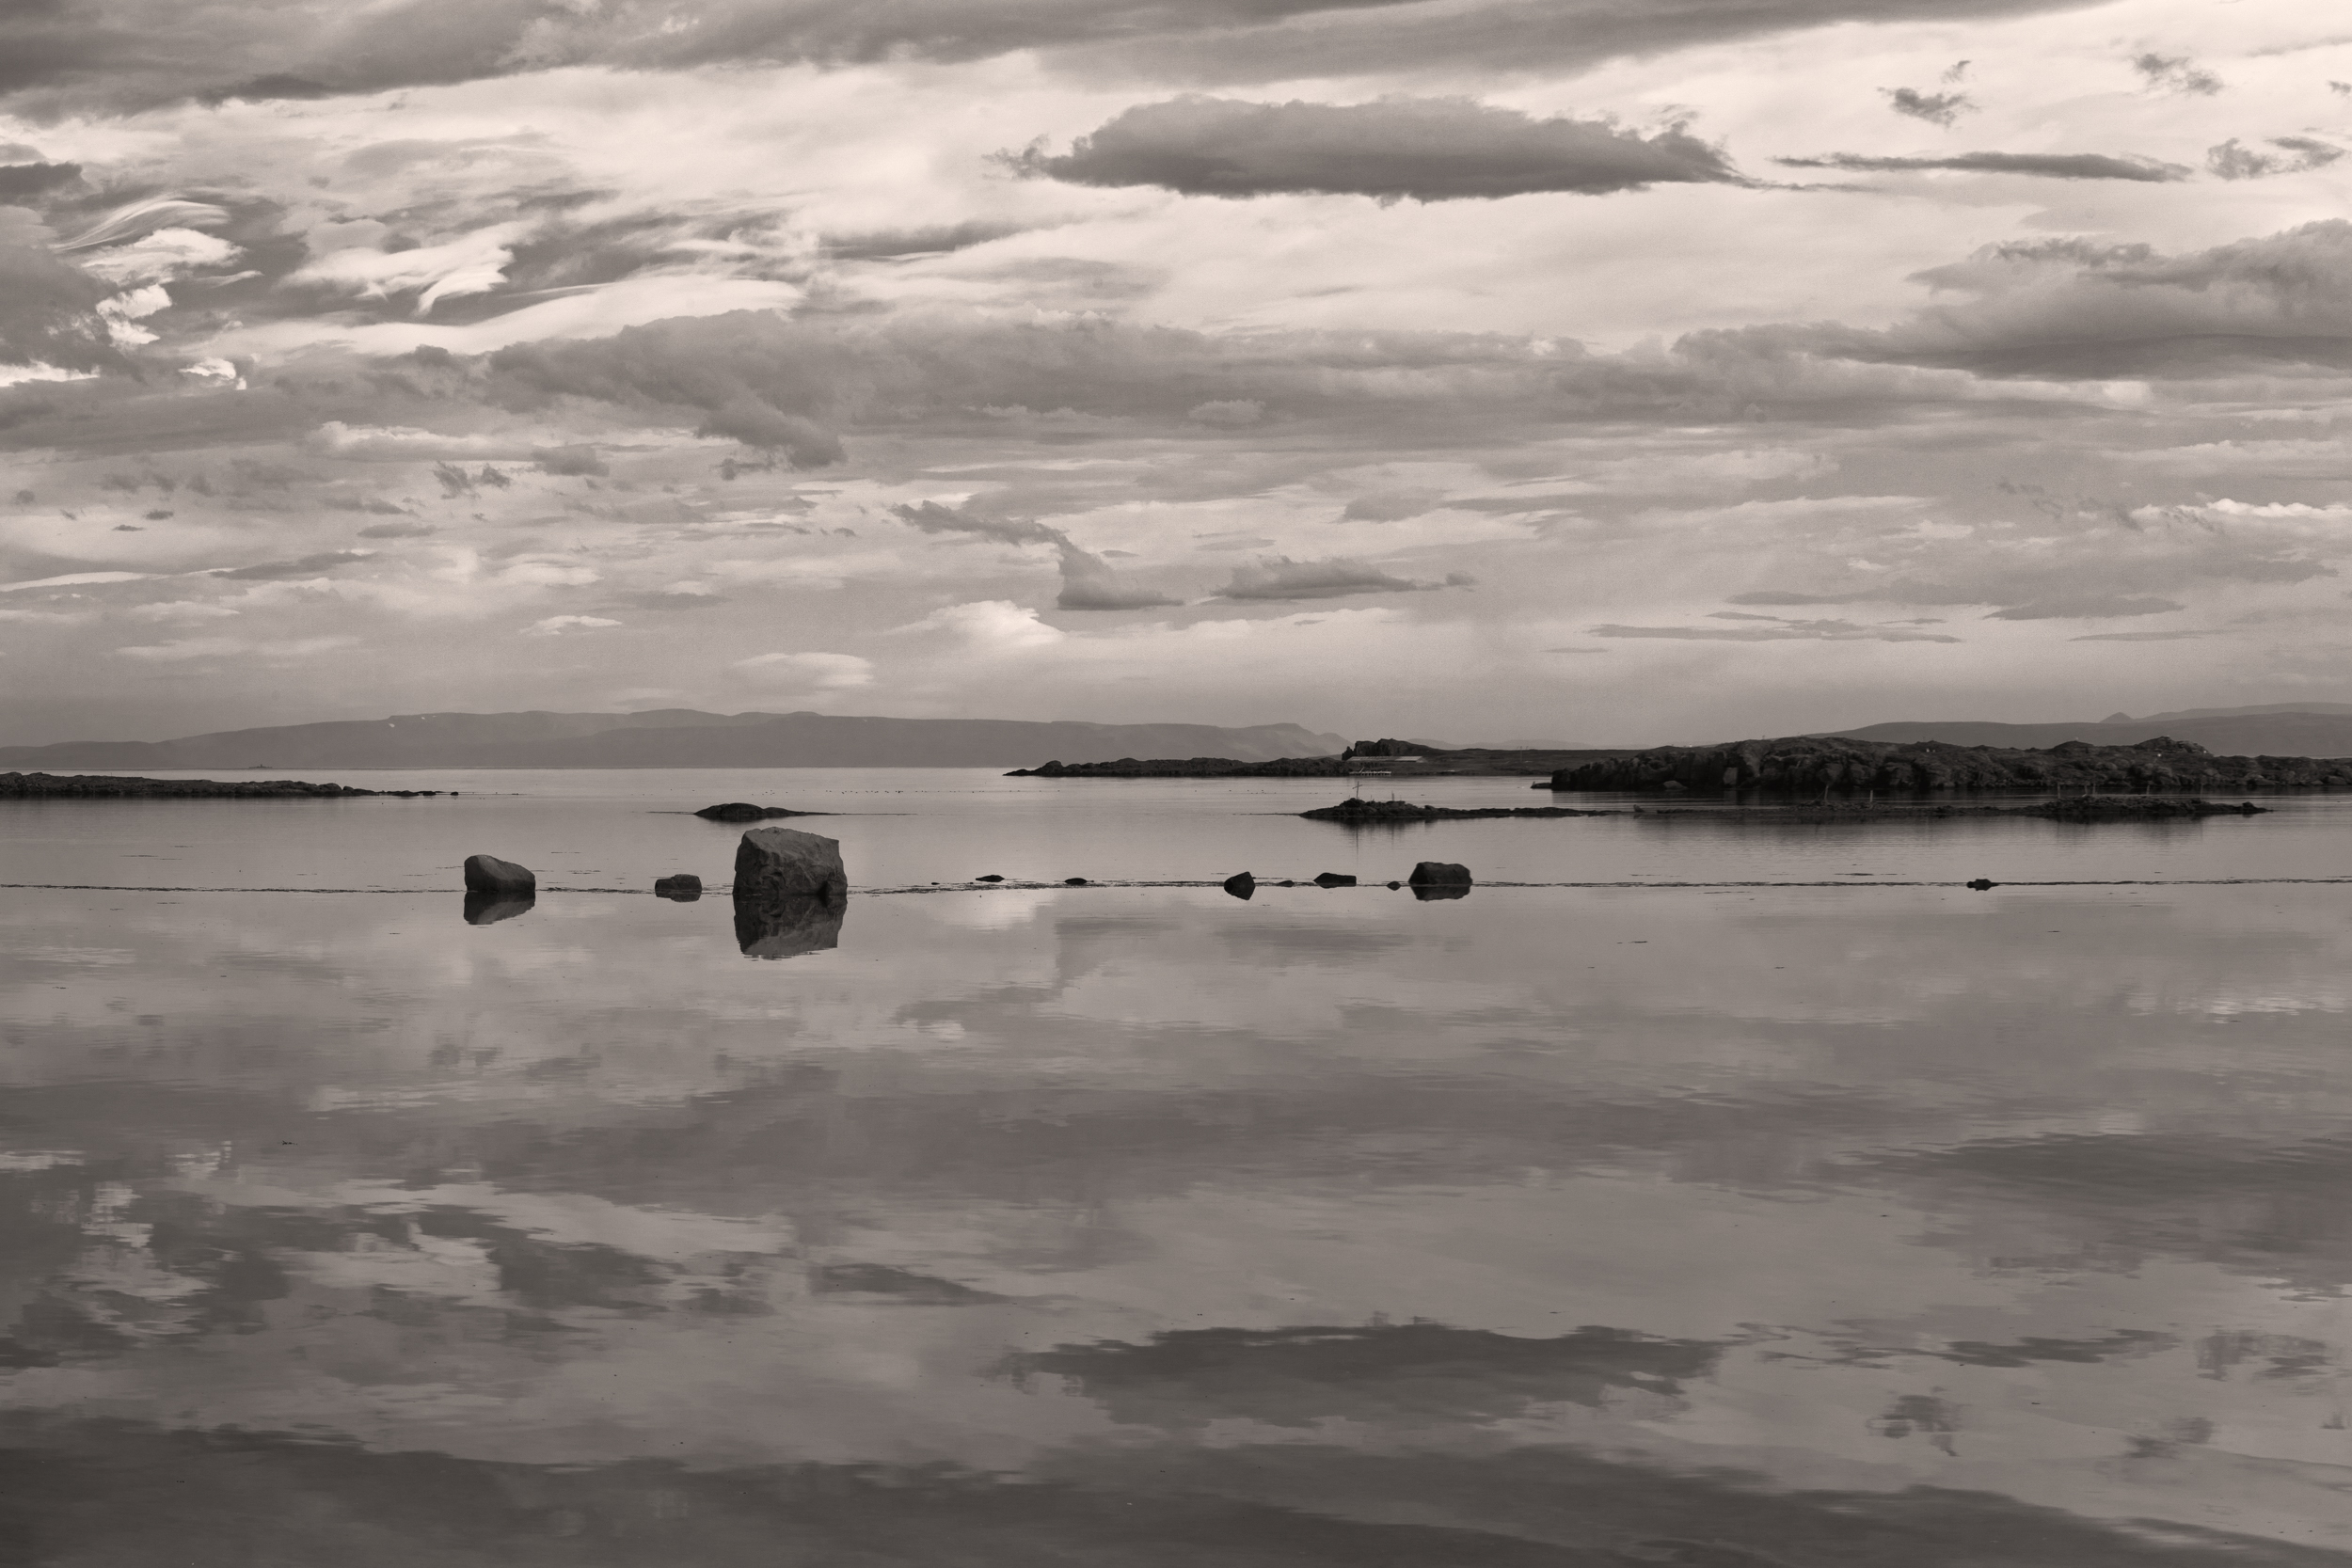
point(1561, 1225)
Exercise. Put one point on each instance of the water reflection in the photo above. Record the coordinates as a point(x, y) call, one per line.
point(1814, 1227)
point(774, 925)
point(488, 909)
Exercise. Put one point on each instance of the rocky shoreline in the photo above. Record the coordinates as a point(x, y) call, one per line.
point(101, 786)
point(1374, 812)
point(1820, 767)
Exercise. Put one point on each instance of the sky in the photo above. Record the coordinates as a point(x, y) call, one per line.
point(1620, 372)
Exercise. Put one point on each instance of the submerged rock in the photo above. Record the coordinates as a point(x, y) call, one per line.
point(785, 862)
point(744, 811)
point(488, 909)
point(489, 874)
point(1240, 884)
point(683, 888)
point(786, 925)
point(1334, 879)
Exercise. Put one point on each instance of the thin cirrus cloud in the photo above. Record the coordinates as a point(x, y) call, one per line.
point(1781, 631)
point(1278, 577)
point(2047, 165)
point(1395, 149)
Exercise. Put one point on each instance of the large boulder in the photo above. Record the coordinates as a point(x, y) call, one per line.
point(1240, 884)
point(489, 874)
point(785, 862)
point(1439, 879)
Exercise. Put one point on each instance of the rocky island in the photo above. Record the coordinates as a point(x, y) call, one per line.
point(1821, 767)
point(1381, 812)
point(101, 786)
point(1366, 757)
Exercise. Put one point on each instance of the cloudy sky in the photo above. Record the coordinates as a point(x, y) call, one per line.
point(1627, 370)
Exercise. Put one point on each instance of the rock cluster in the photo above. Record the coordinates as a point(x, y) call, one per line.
point(1821, 766)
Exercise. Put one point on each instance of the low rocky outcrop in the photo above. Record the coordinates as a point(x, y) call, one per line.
point(786, 862)
point(744, 811)
point(1825, 767)
point(1372, 813)
point(2133, 808)
point(489, 874)
point(1187, 767)
point(684, 888)
point(1334, 879)
point(101, 786)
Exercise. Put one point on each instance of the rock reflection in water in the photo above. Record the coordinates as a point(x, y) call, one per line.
point(782, 927)
point(488, 909)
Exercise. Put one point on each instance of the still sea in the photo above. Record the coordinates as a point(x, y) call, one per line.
point(1698, 1194)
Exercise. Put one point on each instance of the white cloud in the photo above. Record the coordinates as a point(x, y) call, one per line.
point(231, 648)
point(988, 625)
point(556, 625)
point(812, 671)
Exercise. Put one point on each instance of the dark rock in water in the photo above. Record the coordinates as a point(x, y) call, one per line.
point(1360, 813)
point(1334, 879)
point(1393, 886)
point(488, 909)
point(489, 874)
point(782, 926)
point(1286, 882)
point(101, 786)
point(786, 862)
point(683, 888)
point(989, 879)
point(1983, 883)
point(1240, 884)
point(1074, 881)
point(1426, 892)
point(744, 811)
point(1439, 873)
point(2133, 808)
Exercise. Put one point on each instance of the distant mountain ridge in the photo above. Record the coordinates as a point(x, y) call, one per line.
point(676, 738)
point(2279, 730)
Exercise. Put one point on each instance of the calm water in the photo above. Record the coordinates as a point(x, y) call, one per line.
point(1141, 1226)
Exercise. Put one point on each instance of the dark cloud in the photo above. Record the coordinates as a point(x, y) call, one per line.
point(571, 461)
point(746, 419)
point(20, 181)
point(1301, 1376)
point(301, 566)
point(2085, 607)
point(2141, 636)
point(2078, 309)
point(398, 531)
point(2176, 73)
point(1087, 580)
point(1936, 108)
point(2295, 155)
point(70, 55)
point(45, 305)
point(1426, 149)
point(1280, 578)
point(890, 245)
point(1784, 632)
point(2049, 165)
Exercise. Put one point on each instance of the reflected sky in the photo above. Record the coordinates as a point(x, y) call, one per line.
point(1547, 1226)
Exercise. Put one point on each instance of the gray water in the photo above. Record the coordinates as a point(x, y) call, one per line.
point(1712, 1226)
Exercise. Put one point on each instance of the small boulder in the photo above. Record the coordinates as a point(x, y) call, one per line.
point(1393, 886)
point(489, 874)
point(1074, 881)
point(785, 862)
point(685, 889)
point(1240, 884)
point(988, 879)
point(1982, 884)
point(1334, 879)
